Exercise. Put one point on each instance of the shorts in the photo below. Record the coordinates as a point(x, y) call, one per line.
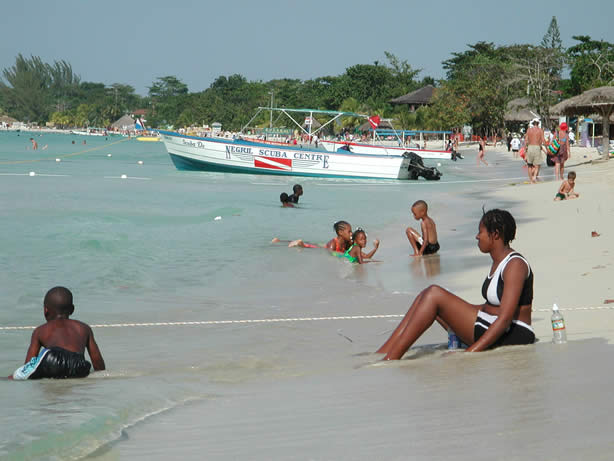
point(561, 196)
point(535, 157)
point(517, 333)
point(54, 362)
point(430, 249)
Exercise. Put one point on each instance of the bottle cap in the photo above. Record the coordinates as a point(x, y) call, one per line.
point(555, 307)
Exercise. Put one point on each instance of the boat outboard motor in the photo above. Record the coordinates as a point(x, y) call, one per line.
point(416, 168)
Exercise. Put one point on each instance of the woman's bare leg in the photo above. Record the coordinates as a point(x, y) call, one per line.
point(431, 304)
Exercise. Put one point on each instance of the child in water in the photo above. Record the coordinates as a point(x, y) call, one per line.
point(285, 201)
point(354, 253)
point(338, 244)
point(57, 347)
point(425, 244)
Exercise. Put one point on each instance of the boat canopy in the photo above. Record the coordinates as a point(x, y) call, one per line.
point(335, 113)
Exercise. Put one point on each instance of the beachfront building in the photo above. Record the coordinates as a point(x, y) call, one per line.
point(416, 99)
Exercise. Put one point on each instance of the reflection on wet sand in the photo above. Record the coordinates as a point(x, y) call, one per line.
point(426, 266)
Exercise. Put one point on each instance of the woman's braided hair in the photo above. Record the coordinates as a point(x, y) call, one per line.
point(500, 221)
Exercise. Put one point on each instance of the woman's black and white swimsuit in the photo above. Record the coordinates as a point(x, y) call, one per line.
point(492, 290)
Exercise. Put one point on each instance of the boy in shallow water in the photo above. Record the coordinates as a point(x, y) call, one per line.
point(57, 347)
point(425, 244)
point(566, 191)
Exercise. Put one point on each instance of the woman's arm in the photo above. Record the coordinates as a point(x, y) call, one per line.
point(514, 275)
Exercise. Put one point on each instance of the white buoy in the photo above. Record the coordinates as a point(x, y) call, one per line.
point(140, 162)
point(58, 160)
point(438, 163)
point(32, 173)
point(217, 218)
point(108, 155)
point(124, 176)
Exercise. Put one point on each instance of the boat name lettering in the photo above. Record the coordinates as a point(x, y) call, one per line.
point(273, 153)
point(238, 150)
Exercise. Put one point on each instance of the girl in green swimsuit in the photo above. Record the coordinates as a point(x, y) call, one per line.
point(354, 253)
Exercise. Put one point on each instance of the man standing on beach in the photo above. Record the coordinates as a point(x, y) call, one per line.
point(534, 140)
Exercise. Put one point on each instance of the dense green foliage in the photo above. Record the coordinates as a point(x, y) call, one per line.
point(479, 83)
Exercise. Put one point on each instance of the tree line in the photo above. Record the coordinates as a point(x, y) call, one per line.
point(478, 84)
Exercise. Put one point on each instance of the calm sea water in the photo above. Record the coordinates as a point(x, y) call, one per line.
point(150, 249)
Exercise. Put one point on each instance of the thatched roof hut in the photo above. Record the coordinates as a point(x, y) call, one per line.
point(517, 110)
point(597, 100)
point(124, 123)
point(6, 119)
point(420, 97)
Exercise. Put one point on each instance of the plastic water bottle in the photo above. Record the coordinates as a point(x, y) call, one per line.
point(453, 340)
point(559, 335)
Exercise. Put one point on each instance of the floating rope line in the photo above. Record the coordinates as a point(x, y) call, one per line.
point(34, 160)
point(279, 320)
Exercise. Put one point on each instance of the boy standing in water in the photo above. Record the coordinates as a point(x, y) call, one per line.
point(297, 192)
point(57, 347)
point(427, 243)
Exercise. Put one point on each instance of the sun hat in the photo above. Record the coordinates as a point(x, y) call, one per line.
point(563, 126)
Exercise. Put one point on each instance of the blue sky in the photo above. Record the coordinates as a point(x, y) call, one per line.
point(136, 42)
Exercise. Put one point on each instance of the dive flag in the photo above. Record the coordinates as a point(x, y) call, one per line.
point(374, 121)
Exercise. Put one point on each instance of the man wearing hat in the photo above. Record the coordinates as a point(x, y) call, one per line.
point(534, 140)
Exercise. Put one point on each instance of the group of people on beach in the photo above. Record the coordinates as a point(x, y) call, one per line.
point(57, 348)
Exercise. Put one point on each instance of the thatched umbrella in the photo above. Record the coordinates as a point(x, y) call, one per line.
point(598, 100)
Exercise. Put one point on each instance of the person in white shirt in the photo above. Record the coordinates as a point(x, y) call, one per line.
point(515, 146)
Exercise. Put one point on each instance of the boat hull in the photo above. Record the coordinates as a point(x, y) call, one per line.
point(360, 148)
point(239, 156)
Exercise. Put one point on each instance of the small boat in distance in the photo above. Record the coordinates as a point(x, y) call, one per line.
point(90, 132)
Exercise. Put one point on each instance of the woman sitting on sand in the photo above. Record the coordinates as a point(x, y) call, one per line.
point(505, 318)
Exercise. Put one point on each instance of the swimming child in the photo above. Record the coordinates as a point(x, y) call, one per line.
point(354, 253)
point(297, 190)
point(57, 347)
point(566, 191)
point(285, 200)
point(427, 243)
point(342, 241)
point(339, 244)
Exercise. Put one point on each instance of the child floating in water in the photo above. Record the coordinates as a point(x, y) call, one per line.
point(566, 191)
point(339, 244)
point(297, 191)
point(427, 243)
point(285, 201)
point(57, 347)
point(354, 253)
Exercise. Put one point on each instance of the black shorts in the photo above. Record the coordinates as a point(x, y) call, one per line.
point(518, 332)
point(430, 249)
point(60, 363)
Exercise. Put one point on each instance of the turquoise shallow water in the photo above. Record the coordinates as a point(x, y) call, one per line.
point(149, 249)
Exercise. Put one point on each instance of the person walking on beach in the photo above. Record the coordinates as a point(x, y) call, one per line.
point(563, 154)
point(534, 140)
point(505, 317)
point(481, 150)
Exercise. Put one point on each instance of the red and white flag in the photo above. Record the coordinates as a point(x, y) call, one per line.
point(374, 121)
